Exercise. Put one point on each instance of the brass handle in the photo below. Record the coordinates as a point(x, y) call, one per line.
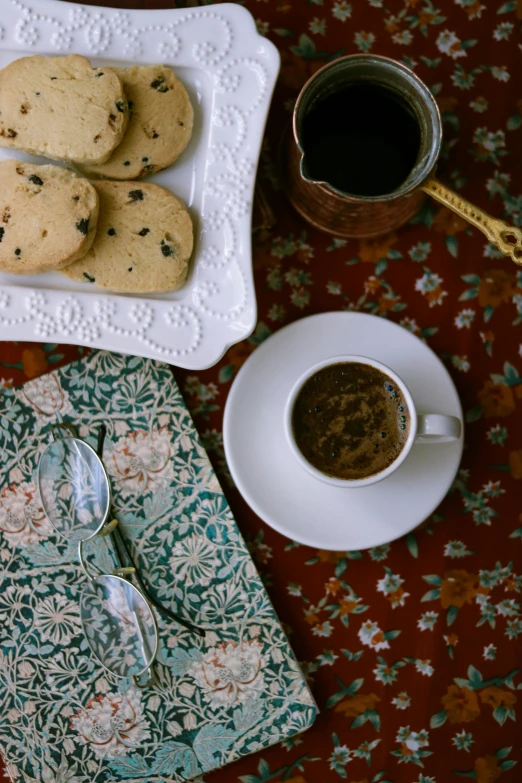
point(507, 238)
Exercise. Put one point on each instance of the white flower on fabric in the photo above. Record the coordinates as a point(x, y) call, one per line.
point(230, 673)
point(194, 560)
point(22, 520)
point(501, 73)
point(449, 44)
point(402, 701)
point(139, 462)
point(46, 396)
point(465, 318)
point(57, 619)
point(186, 689)
point(424, 667)
point(371, 635)
point(190, 721)
point(112, 724)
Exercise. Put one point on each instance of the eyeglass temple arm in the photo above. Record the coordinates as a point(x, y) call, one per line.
point(126, 559)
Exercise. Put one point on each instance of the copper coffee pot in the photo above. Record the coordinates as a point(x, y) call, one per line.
point(349, 215)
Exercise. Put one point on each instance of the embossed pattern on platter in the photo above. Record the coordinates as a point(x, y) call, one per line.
point(226, 192)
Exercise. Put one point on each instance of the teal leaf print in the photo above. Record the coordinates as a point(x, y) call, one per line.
point(507, 7)
point(411, 543)
point(210, 740)
point(172, 757)
point(475, 677)
point(226, 373)
point(432, 579)
point(381, 267)
point(452, 615)
point(130, 766)
point(180, 660)
point(474, 414)
point(514, 122)
point(452, 245)
point(262, 331)
point(247, 715)
point(507, 764)
point(306, 47)
point(439, 719)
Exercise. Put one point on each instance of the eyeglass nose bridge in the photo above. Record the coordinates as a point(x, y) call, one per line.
point(63, 425)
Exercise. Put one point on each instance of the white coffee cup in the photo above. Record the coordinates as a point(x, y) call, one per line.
point(424, 428)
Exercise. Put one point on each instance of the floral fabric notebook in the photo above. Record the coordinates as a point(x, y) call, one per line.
point(62, 716)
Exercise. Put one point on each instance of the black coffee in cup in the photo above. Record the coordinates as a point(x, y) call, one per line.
point(350, 420)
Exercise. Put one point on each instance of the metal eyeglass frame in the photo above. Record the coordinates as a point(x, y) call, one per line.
point(126, 568)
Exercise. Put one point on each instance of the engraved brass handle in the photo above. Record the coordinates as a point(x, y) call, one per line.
point(507, 238)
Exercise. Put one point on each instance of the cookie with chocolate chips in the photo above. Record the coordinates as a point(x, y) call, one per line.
point(143, 242)
point(62, 107)
point(160, 124)
point(48, 217)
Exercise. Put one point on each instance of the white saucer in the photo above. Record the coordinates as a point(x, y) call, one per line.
point(280, 491)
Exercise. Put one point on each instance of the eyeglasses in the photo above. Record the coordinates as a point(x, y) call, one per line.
point(116, 614)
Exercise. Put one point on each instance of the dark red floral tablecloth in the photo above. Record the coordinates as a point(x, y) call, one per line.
point(413, 650)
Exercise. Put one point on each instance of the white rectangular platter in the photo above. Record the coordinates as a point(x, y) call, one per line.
point(229, 71)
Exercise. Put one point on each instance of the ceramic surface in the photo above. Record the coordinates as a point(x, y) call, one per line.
point(229, 71)
point(278, 488)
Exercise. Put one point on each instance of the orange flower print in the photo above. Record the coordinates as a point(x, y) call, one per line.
point(446, 221)
point(372, 250)
point(347, 606)
point(496, 399)
point(515, 464)
point(371, 635)
point(474, 10)
point(333, 586)
point(458, 588)
point(391, 24)
point(496, 696)
point(397, 597)
point(386, 304)
point(327, 556)
point(34, 362)
point(487, 769)
point(451, 640)
point(487, 337)
point(496, 286)
point(359, 704)
point(461, 704)
point(372, 285)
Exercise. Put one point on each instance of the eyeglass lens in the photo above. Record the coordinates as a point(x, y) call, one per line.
point(119, 625)
point(74, 489)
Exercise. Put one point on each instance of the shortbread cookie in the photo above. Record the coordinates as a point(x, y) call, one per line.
point(143, 242)
point(48, 217)
point(62, 107)
point(160, 123)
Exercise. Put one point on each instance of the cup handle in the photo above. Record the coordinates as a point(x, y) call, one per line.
point(437, 428)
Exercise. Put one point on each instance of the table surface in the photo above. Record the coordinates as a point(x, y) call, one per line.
point(413, 649)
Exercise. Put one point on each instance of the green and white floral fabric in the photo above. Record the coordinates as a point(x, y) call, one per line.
point(63, 718)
